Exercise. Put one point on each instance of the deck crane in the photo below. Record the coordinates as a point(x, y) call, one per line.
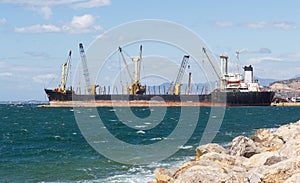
point(135, 87)
point(204, 51)
point(221, 78)
point(90, 88)
point(68, 66)
point(178, 80)
point(65, 71)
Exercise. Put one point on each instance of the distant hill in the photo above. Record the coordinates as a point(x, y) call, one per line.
point(286, 88)
point(265, 82)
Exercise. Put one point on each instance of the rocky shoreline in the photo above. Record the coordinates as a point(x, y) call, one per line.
point(267, 156)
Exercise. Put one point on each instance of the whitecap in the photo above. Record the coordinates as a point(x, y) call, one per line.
point(141, 132)
point(228, 133)
point(24, 130)
point(185, 147)
point(57, 137)
point(157, 138)
point(140, 126)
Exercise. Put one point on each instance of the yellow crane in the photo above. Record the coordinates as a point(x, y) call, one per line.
point(180, 74)
point(64, 73)
point(135, 87)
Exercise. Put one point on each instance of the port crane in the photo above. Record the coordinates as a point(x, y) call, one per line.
point(135, 88)
point(64, 73)
point(90, 88)
point(178, 81)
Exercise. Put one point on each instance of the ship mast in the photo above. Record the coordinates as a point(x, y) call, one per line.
point(237, 61)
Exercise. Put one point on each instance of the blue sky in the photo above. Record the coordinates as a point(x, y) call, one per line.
point(36, 35)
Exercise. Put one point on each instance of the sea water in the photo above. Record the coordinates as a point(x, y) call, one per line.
point(46, 144)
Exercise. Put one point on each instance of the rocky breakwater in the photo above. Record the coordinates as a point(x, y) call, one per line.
point(267, 156)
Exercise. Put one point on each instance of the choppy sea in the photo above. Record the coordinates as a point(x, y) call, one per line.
point(47, 145)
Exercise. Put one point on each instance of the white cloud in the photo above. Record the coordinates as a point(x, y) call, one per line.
point(5, 74)
point(43, 78)
point(3, 21)
point(277, 25)
point(45, 7)
point(284, 25)
point(225, 24)
point(82, 24)
point(91, 4)
point(45, 11)
point(295, 55)
point(79, 24)
point(258, 60)
point(256, 25)
point(260, 51)
point(38, 29)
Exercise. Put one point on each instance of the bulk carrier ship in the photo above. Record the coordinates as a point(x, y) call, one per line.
point(234, 89)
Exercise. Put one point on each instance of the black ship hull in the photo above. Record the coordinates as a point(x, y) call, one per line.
point(232, 98)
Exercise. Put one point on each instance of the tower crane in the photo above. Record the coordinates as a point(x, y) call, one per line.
point(90, 88)
point(135, 87)
point(179, 77)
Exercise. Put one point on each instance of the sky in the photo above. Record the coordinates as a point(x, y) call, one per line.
point(36, 35)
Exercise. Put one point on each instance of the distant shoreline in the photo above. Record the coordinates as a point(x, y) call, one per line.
point(25, 102)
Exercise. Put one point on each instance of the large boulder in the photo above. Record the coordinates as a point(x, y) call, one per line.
point(204, 149)
point(281, 171)
point(267, 140)
point(243, 146)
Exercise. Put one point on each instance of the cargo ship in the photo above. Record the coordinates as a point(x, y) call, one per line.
point(234, 89)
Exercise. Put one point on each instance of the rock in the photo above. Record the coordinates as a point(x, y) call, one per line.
point(258, 160)
point(161, 177)
point(291, 149)
point(254, 177)
point(266, 140)
point(281, 171)
point(225, 160)
point(209, 148)
point(293, 179)
point(267, 156)
point(289, 131)
point(243, 146)
point(273, 160)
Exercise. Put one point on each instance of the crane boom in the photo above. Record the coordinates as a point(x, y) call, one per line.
point(139, 65)
point(85, 68)
point(135, 86)
point(68, 66)
point(204, 51)
point(178, 80)
point(126, 65)
point(182, 69)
